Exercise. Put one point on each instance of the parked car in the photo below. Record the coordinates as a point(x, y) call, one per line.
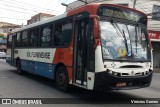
point(2, 55)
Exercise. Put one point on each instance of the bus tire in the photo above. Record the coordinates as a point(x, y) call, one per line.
point(62, 80)
point(19, 71)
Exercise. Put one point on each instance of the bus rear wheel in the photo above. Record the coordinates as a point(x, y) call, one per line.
point(62, 80)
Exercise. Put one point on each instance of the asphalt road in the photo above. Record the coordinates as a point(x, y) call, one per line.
point(13, 85)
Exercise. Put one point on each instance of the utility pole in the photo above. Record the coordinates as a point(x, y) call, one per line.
point(134, 4)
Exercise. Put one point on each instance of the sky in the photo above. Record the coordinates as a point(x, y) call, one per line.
point(19, 11)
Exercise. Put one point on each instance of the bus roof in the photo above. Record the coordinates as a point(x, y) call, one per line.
point(40, 22)
point(91, 8)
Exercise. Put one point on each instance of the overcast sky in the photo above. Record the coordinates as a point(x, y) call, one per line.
point(19, 11)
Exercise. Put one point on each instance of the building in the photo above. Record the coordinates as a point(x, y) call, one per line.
point(39, 17)
point(150, 7)
point(5, 27)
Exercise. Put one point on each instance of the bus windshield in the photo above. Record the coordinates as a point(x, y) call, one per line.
point(121, 41)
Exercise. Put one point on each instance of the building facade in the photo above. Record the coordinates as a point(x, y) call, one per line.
point(149, 7)
point(4, 29)
point(39, 17)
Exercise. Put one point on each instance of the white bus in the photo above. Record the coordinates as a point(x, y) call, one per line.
point(96, 47)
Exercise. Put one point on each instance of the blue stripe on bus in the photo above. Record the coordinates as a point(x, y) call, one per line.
point(38, 68)
point(9, 61)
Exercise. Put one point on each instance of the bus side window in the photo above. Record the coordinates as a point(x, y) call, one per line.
point(18, 39)
point(62, 33)
point(45, 36)
point(57, 34)
point(33, 37)
point(66, 33)
point(9, 43)
point(25, 39)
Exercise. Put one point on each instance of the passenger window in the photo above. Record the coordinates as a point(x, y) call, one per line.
point(46, 36)
point(9, 41)
point(18, 42)
point(34, 37)
point(62, 33)
point(25, 39)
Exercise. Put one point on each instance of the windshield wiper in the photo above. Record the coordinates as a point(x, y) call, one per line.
point(136, 36)
point(114, 24)
point(125, 40)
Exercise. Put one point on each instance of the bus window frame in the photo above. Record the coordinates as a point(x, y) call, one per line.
point(20, 43)
point(30, 31)
point(50, 25)
point(39, 34)
point(70, 18)
point(9, 37)
point(24, 39)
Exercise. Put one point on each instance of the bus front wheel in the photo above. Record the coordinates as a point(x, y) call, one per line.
point(62, 80)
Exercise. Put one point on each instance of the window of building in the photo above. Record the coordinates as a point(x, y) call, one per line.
point(156, 12)
point(25, 39)
point(34, 37)
point(46, 36)
point(62, 33)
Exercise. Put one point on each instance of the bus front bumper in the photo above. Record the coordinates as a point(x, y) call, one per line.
point(105, 81)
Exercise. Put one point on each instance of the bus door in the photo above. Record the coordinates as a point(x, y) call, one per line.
point(82, 50)
point(12, 50)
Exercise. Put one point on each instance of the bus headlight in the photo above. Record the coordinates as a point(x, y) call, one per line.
point(109, 71)
point(113, 73)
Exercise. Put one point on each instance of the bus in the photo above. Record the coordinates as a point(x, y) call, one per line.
point(96, 47)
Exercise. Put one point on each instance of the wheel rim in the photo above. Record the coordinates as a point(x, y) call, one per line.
point(61, 79)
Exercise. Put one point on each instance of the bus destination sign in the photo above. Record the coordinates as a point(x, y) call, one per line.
point(121, 14)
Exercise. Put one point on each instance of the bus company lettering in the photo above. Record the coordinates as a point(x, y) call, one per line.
point(39, 54)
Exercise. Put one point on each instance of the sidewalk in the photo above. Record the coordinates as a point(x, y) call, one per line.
point(2, 60)
point(156, 70)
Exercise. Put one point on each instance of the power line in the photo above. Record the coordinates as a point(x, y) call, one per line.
point(36, 6)
point(60, 3)
point(19, 7)
point(13, 5)
point(16, 11)
point(13, 18)
point(33, 6)
point(48, 3)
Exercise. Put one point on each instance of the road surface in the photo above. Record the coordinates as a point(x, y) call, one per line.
point(13, 85)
